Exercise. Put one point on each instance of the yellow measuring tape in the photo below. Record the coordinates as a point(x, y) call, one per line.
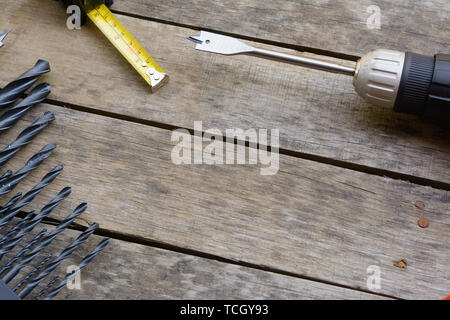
point(128, 46)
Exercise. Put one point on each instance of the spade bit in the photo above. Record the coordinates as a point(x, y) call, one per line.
point(405, 81)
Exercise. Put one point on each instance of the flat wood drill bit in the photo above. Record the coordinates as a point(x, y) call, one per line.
point(9, 184)
point(14, 90)
point(10, 117)
point(23, 251)
point(44, 243)
point(11, 243)
point(57, 261)
point(86, 260)
point(25, 137)
point(30, 195)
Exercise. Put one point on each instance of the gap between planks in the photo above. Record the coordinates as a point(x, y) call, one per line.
point(292, 153)
point(200, 254)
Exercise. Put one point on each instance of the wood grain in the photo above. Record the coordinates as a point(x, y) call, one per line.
point(339, 26)
point(310, 219)
point(126, 270)
point(317, 113)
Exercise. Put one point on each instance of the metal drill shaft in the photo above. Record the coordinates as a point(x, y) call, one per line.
point(57, 261)
point(15, 89)
point(11, 243)
point(32, 272)
point(44, 243)
point(25, 137)
point(86, 260)
point(48, 286)
point(18, 225)
point(10, 117)
point(10, 183)
point(30, 195)
point(10, 203)
point(23, 251)
point(5, 176)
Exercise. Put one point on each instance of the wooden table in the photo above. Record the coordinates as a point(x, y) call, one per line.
point(353, 181)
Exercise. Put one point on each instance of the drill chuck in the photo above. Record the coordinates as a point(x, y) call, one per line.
point(407, 82)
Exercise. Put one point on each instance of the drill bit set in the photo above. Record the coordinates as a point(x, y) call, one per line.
point(17, 238)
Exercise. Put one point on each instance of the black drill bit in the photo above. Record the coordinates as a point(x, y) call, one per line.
point(10, 203)
point(25, 137)
point(10, 183)
point(82, 265)
point(57, 261)
point(18, 225)
point(44, 243)
point(23, 251)
point(45, 289)
point(32, 272)
point(30, 195)
point(15, 89)
point(10, 117)
point(5, 176)
point(11, 243)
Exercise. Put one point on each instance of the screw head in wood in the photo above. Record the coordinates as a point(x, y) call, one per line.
point(423, 222)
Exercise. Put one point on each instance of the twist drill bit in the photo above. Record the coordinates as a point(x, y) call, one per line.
point(10, 183)
point(86, 260)
point(15, 89)
point(57, 261)
point(23, 251)
point(44, 243)
point(18, 225)
point(11, 243)
point(25, 137)
point(45, 289)
point(30, 195)
point(10, 117)
point(10, 203)
point(5, 176)
point(32, 272)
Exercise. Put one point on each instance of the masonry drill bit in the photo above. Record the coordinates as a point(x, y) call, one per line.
point(10, 117)
point(16, 228)
point(10, 183)
point(3, 36)
point(11, 243)
point(15, 89)
point(86, 260)
point(46, 288)
point(23, 251)
point(25, 137)
point(44, 243)
point(30, 195)
point(57, 261)
point(32, 272)
point(10, 203)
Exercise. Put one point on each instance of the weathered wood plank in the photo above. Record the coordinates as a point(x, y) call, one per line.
point(127, 270)
point(339, 26)
point(310, 219)
point(317, 113)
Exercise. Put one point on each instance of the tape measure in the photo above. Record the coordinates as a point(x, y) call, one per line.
point(119, 36)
